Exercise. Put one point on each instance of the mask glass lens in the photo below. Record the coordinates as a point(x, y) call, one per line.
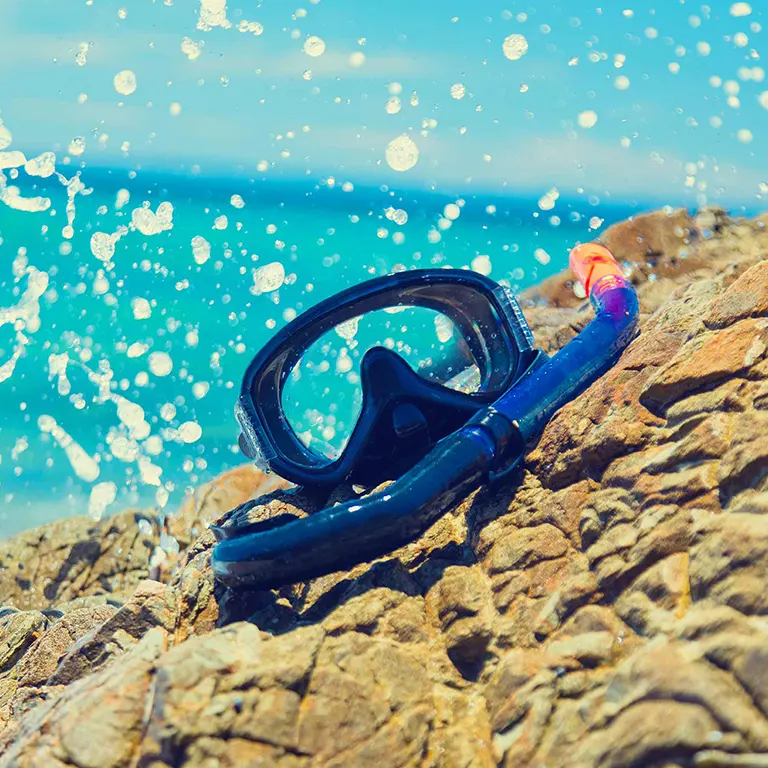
point(462, 350)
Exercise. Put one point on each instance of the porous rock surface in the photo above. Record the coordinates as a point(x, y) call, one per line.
point(605, 607)
point(76, 557)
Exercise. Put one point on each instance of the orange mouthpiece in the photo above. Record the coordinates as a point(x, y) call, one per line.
point(590, 262)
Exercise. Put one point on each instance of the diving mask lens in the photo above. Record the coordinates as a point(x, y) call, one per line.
point(323, 397)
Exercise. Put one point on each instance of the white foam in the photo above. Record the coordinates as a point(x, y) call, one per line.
point(131, 415)
point(191, 49)
point(515, 47)
point(348, 329)
point(213, 13)
point(5, 136)
point(57, 366)
point(444, 328)
point(200, 389)
point(482, 264)
point(24, 316)
point(190, 432)
point(547, 201)
point(149, 472)
point(74, 187)
point(103, 244)
point(201, 249)
point(314, 46)
point(122, 199)
point(21, 445)
point(137, 349)
point(142, 309)
point(12, 197)
point(76, 146)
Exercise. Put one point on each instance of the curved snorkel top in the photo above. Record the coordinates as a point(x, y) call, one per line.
point(489, 444)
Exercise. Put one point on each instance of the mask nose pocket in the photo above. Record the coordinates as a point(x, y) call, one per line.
point(403, 415)
point(384, 375)
point(408, 421)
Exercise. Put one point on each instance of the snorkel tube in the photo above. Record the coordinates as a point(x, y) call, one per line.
point(490, 444)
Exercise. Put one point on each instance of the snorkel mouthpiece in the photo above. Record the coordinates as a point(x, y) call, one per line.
point(594, 264)
point(487, 446)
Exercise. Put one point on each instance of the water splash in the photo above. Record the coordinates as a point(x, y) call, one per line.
point(24, 315)
point(83, 465)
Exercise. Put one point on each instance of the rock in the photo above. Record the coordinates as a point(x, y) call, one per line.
point(209, 502)
point(19, 632)
point(603, 607)
point(655, 243)
point(45, 642)
point(76, 557)
point(707, 359)
point(151, 605)
point(712, 219)
point(96, 722)
point(42, 660)
point(653, 240)
point(747, 297)
point(461, 601)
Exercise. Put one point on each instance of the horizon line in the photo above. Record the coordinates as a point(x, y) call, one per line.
point(314, 184)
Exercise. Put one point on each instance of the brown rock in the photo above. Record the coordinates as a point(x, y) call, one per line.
point(708, 359)
point(747, 297)
point(462, 603)
point(76, 557)
point(526, 547)
point(658, 238)
point(152, 605)
point(211, 501)
point(19, 632)
point(26, 684)
point(96, 723)
point(655, 243)
point(42, 659)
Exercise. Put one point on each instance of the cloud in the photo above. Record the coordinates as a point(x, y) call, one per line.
point(539, 163)
point(337, 64)
point(533, 165)
point(42, 49)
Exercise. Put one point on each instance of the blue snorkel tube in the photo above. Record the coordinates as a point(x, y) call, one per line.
point(488, 445)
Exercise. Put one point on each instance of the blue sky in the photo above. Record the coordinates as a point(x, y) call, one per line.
point(665, 133)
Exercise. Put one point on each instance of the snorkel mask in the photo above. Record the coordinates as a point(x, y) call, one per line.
point(450, 405)
point(461, 341)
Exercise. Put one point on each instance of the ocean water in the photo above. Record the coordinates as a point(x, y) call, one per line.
point(119, 380)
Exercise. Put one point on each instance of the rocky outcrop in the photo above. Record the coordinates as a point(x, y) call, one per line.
point(605, 607)
point(76, 557)
point(229, 490)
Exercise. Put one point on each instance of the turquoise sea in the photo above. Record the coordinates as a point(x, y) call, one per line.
point(127, 382)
